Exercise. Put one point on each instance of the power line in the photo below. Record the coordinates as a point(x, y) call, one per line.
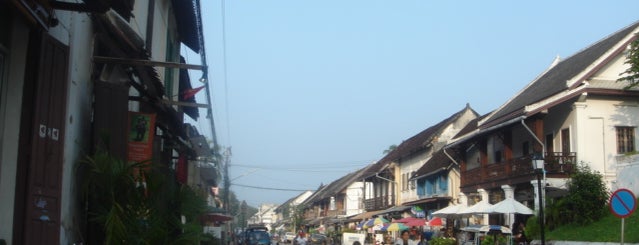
point(267, 188)
point(306, 166)
point(307, 170)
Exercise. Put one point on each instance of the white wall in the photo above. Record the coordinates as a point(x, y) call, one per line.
point(75, 31)
point(354, 197)
point(597, 142)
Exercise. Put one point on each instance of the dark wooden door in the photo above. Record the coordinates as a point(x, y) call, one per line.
point(44, 175)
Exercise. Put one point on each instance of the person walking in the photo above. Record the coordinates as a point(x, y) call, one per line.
point(404, 239)
point(301, 238)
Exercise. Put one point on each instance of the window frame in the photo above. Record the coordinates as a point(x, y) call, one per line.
point(626, 141)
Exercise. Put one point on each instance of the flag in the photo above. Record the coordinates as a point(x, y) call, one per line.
point(187, 94)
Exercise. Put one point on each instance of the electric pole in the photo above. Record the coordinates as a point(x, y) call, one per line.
point(227, 180)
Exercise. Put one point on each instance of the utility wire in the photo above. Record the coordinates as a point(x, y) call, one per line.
point(267, 188)
point(226, 87)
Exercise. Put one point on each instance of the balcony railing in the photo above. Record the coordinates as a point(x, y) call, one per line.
point(379, 203)
point(558, 163)
point(332, 213)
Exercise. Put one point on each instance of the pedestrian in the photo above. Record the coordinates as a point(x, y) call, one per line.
point(404, 239)
point(520, 234)
point(301, 238)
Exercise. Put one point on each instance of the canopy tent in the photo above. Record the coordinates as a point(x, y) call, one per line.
point(449, 212)
point(510, 206)
point(482, 207)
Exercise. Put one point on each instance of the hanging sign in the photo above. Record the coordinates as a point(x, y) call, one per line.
point(140, 136)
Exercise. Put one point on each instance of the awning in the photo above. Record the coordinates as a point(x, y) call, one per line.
point(428, 200)
point(365, 215)
point(216, 217)
point(400, 208)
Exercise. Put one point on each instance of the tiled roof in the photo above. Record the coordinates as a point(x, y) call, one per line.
point(337, 186)
point(470, 126)
point(414, 144)
point(554, 80)
point(438, 162)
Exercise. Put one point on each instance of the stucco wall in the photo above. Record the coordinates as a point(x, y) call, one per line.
point(75, 30)
point(354, 197)
point(597, 142)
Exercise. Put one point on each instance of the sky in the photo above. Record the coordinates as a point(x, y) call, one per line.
point(305, 92)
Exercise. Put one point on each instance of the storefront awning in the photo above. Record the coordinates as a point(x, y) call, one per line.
point(400, 208)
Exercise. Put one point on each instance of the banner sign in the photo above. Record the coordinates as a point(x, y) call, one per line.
point(140, 136)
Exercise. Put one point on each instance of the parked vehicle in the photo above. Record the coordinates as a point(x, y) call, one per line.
point(257, 235)
point(318, 239)
point(288, 237)
point(353, 238)
point(476, 234)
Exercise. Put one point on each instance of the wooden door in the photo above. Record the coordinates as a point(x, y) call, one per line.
point(44, 174)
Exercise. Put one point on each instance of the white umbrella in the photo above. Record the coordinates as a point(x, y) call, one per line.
point(449, 211)
point(482, 207)
point(510, 206)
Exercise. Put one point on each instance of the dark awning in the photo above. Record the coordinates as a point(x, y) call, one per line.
point(187, 24)
point(428, 200)
point(400, 208)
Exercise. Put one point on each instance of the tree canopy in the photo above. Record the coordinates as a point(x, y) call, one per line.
point(632, 73)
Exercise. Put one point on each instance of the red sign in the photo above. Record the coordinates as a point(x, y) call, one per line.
point(140, 135)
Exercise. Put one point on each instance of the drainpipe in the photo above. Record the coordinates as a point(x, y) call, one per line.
point(541, 189)
point(543, 153)
point(451, 158)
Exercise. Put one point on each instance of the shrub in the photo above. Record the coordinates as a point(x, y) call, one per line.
point(588, 195)
point(443, 241)
point(533, 231)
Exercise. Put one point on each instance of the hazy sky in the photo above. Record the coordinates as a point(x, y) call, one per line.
point(317, 89)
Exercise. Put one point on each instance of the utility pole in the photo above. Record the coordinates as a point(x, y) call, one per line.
point(227, 180)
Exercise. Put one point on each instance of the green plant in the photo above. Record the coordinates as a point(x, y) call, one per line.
point(587, 197)
point(137, 203)
point(442, 241)
point(494, 239)
point(532, 231)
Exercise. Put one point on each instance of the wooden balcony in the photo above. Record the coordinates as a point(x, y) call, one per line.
point(379, 203)
point(557, 164)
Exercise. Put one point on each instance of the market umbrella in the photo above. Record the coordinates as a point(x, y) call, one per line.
point(509, 206)
point(375, 221)
point(449, 212)
point(435, 222)
point(412, 221)
point(395, 227)
point(482, 207)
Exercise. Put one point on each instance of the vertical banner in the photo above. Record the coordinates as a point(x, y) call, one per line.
point(140, 136)
point(182, 169)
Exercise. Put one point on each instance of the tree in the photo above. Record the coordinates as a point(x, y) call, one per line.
point(632, 73)
point(587, 196)
point(390, 148)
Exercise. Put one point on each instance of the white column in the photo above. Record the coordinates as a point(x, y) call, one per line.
point(484, 198)
point(463, 199)
point(534, 184)
point(509, 192)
